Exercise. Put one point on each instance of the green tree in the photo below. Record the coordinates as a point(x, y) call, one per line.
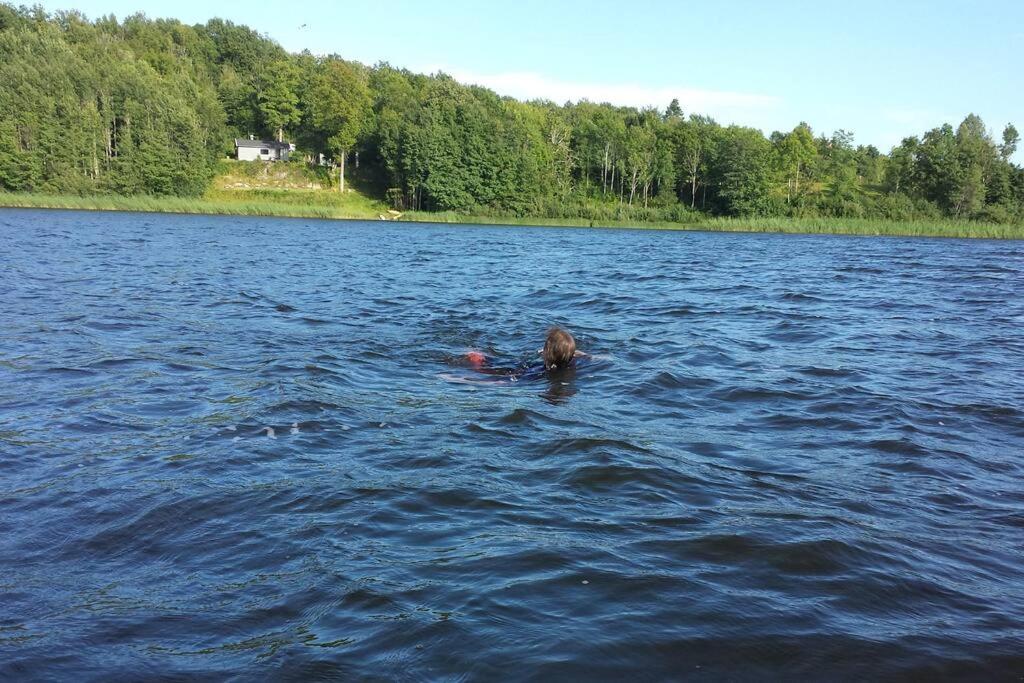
point(900, 173)
point(746, 178)
point(693, 142)
point(796, 153)
point(975, 154)
point(937, 168)
point(339, 102)
point(236, 57)
point(1010, 139)
point(673, 110)
point(277, 96)
point(870, 164)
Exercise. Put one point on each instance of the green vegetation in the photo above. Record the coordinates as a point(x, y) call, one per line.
point(254, 207)
point(830, 226)
point(299, 204)
point(262, 202)
point(139, 114)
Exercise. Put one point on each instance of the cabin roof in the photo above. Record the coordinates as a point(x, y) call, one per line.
point(264, 144)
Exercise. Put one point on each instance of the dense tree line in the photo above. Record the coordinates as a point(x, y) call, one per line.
point(148, 106)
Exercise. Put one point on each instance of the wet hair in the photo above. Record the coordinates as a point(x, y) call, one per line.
point(559, 349)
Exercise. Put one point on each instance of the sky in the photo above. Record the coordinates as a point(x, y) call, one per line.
point(883, 70)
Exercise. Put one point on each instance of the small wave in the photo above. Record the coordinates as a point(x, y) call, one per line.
point(228, 302)
point(182, 367)
point(827, 372)
point(614, 476)
point(802, 297)
point(669, 380)
point(1003, 414)
point(898, 446)
point(107, 363)
point(527, 417)
point(476, 428)
point(866, 270)
point(755, 394)
point(823, 557)
point(105, 424)
point(110, 327)
point(313, 369)
point(421, 500)
point(791, 421)
point(70, 372)
point(675, 311)
point(574, 445)
point(798, 331)
point(708, 449)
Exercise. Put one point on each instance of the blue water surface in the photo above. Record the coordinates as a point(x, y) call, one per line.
point(247, 448)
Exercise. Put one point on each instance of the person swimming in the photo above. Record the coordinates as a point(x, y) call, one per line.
point(559, 350)
point(559, 353)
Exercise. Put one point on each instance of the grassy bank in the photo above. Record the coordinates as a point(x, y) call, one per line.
point(823, 226)
point(326, 204)
point(251, 203)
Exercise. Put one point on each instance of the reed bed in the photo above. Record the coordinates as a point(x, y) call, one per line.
point(292, 203)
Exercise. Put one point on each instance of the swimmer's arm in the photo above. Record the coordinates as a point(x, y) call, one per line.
point(502, 372)
point(479, 362)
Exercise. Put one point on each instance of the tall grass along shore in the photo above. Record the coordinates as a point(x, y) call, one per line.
point(289, 203)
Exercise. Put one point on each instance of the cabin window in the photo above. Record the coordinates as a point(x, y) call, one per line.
point(264, 151)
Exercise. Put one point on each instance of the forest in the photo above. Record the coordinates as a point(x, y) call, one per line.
point(148, 106)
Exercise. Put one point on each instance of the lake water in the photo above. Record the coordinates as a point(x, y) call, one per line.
point(245, 447)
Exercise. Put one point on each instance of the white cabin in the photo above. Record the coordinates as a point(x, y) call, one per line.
point(262, 150)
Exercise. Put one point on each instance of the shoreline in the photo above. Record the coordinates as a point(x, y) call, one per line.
point(810, 226)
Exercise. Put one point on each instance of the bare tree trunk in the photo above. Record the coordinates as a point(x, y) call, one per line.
point(341, 174)
point(693, 186)
point(604, 170)
point(280, 134)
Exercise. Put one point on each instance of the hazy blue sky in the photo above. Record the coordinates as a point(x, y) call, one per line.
point(883, 70)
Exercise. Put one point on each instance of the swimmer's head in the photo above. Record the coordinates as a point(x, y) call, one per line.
point(559, 349)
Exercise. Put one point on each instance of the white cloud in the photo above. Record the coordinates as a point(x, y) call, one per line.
point(729, 107)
